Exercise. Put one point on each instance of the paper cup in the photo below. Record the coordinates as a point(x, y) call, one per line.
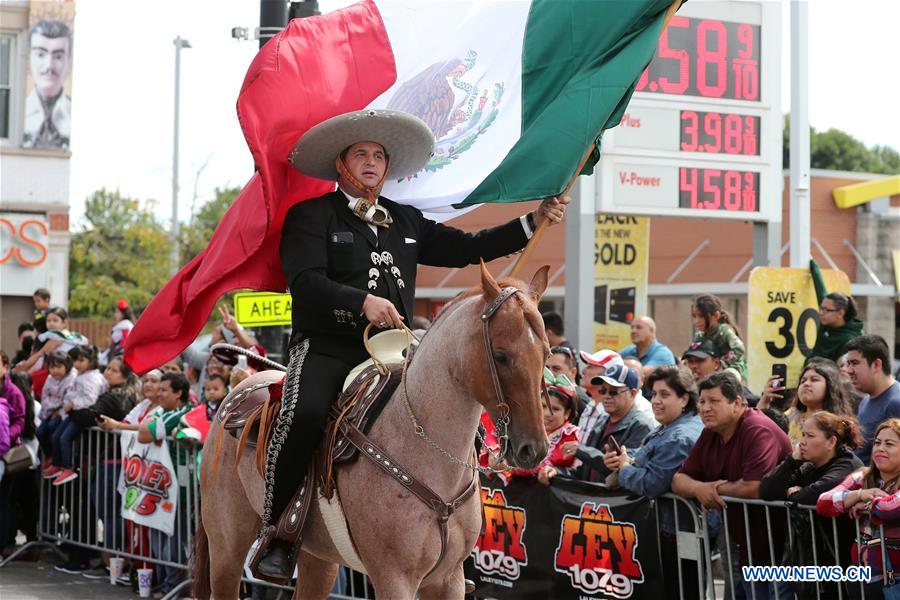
point(145, 579)
point(116, 564)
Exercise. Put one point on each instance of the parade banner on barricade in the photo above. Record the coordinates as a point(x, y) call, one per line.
point(569, 540)
point(150, 493)
point(783, 319)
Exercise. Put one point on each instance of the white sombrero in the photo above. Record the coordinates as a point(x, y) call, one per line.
point(406, 139)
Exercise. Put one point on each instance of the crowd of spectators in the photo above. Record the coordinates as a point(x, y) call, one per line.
point(641, 418)
point(652, 424)
point(58, 387)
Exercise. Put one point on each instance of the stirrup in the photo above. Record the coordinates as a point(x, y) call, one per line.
point(265, 541)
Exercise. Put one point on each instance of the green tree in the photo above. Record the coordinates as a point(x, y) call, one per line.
point(121, 252)
point(195, 236)
point(839, 151)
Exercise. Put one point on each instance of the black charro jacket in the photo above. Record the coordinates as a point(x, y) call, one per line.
point(332, 260)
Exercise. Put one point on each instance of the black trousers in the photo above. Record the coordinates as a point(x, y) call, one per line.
point(320, 381)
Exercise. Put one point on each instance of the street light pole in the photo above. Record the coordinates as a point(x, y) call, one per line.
point(799, 149)
point(179, 44)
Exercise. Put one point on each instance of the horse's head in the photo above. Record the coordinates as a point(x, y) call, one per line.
point(518, 349)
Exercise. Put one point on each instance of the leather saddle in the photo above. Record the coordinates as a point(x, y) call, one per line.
point(250, 413)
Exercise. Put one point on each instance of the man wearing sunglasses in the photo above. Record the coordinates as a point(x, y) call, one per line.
point(623, 424)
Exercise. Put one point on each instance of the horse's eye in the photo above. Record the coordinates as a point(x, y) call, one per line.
point(500, 357)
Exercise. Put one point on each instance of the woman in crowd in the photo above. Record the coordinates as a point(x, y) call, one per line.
point(115, 403)
point(872, 495)
point(147, 407)
point(15, 404)
point(838, 322)
point(560, 408)
point(648, 470)
point(123, 326)
point(712, 321)
point(61, 377)
point(820, 389)
point(18, 491)
point(137, 537)
point(88, 386)
point(822, 459)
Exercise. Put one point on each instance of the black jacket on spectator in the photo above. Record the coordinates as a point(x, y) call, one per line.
point(115, 403)
point(813, 482)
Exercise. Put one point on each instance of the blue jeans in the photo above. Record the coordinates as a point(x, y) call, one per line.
point(62, 442)
point(108, 503)
point(172, 548)
point(45, 433)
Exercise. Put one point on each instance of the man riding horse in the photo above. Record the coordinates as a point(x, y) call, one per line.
point(350, 259)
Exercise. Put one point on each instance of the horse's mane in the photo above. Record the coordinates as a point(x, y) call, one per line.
point(529, 306)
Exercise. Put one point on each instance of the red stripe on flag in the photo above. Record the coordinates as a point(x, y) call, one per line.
point(314, 69)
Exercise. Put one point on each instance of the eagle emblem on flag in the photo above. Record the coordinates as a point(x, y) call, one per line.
point(450, 98)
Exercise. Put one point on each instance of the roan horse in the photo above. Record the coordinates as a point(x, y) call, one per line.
point(395, 534)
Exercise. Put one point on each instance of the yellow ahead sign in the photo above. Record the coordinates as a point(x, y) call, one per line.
point(261, 309)
point(783, 320)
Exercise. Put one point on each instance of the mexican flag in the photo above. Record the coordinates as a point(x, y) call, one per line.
point(515, 93)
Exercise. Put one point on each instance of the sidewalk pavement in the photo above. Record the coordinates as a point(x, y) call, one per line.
point(40, 581)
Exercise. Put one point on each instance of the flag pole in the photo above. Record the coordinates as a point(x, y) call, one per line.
point(539, 232)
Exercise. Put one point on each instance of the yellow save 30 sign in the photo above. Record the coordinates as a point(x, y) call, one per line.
point(261, 309)
point(783, 320)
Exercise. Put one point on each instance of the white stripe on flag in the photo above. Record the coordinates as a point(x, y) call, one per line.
point(473, 96)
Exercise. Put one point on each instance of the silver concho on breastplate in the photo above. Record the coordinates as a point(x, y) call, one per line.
point(376, 258)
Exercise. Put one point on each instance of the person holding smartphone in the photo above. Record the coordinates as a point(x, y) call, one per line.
point(820, 388)
point(622, 425)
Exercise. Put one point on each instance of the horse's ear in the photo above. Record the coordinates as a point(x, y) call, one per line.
point(488, 284)
point(539, 282)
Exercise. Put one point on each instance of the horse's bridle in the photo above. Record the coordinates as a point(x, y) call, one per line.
point(502, 421)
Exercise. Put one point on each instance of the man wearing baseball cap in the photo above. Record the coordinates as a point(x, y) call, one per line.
point(623, 423)
point(702, 358)
point(594, 365)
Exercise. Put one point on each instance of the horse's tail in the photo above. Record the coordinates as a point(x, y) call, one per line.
point(200, 563)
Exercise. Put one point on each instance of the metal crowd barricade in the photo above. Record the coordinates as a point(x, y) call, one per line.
point(85, 514)
point(823, 533)
point(692, 545)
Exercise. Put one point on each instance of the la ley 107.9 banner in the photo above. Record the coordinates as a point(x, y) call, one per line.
point(569, 540)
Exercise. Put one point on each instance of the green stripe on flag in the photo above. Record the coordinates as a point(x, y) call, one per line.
point(580, 63)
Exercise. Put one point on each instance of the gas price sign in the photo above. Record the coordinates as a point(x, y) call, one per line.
point(702, 134)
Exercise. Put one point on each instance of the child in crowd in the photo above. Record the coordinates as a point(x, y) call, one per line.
point(41, 298)
point(559, 406)
point(61, 378)
point(195, 424)
point(713, 322)
point(88, 386)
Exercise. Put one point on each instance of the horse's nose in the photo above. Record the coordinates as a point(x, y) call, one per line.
point(528, 455)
